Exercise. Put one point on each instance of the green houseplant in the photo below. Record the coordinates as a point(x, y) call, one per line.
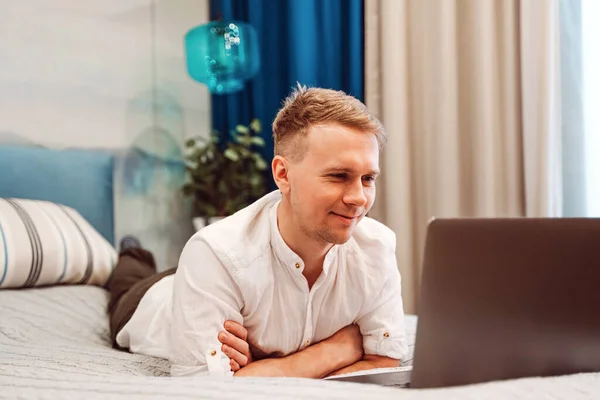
point(225, 177)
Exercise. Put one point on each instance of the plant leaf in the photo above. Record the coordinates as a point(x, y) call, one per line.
point(231, 154)
point(255, 180)
point(257, 141)
point(241, 129)
point(261, 164)
point(245, 140)
point(255, 125)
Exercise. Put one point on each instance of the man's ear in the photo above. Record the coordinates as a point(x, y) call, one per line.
point(279, 167)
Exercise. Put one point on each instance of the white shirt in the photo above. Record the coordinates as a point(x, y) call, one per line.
point(240, 269)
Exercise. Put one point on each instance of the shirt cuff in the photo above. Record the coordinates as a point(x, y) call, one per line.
point(386, 346)
point(217, 364)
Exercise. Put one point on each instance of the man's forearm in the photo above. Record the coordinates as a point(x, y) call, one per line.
point(368, 362)
point(316, 361)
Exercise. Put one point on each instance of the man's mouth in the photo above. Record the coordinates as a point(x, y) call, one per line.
point(348, 217)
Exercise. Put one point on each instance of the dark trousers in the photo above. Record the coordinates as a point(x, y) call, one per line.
point(133, 275)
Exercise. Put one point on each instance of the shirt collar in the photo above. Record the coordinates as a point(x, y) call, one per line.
point(287, 255)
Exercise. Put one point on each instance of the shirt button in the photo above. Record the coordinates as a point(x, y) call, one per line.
point(386, 335)
point(307, 342)
point(297, 265)
point(213, 353)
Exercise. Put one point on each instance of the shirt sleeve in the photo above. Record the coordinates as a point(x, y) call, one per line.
point(382, 326)
point(205, 295)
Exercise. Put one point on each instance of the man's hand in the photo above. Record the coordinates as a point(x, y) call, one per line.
point(235, 345)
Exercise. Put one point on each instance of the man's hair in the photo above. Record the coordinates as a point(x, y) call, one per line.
point(306, 107)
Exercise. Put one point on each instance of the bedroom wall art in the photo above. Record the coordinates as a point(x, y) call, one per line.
point(110, 75)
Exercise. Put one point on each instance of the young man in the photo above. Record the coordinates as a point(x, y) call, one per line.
point(300, 283)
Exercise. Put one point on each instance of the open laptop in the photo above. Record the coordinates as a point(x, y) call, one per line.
point(503, 299)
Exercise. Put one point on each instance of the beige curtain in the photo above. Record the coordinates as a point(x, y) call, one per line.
point(468, 92)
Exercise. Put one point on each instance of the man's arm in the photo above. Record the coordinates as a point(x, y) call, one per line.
point(382, 321)
point(369, 361)
point(317, 361)
point(205, 295)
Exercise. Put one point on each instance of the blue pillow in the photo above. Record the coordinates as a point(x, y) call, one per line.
point(78, 178)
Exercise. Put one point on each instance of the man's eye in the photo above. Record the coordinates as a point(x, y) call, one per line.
point(338, 176)
point(369, 179)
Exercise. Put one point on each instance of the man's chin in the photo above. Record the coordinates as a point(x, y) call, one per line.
point(341, 238)
point(336, 236)
point(342, 241)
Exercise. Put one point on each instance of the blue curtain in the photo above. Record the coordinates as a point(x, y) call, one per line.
point(313, 42)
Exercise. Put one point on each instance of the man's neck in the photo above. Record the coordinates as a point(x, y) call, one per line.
point(312, 252)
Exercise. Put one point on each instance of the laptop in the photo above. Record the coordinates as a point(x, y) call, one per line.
point(504, 299)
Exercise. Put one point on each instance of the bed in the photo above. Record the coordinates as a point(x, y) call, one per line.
point(54, 339)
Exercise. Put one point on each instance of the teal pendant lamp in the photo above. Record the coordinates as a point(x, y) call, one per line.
point(222, 55)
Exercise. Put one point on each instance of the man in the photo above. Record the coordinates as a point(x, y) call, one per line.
point(300, 283)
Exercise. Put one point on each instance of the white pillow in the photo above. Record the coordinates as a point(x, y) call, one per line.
point(43, 243)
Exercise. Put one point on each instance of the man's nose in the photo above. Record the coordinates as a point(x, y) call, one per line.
point(356, 195)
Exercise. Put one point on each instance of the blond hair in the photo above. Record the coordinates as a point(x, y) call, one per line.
point(306, 107)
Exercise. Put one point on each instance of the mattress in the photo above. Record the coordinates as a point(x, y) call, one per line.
point(54, 343)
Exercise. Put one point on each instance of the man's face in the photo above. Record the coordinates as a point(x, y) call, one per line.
point(333, 187)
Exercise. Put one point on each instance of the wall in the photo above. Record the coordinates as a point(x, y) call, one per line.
point(110, 74)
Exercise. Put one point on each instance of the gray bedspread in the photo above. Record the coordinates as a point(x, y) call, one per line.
point(54, 344)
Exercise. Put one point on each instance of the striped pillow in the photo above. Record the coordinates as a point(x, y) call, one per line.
point(44, 243)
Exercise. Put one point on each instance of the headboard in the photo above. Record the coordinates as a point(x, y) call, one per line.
point(79, 178)
point(128, 191)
